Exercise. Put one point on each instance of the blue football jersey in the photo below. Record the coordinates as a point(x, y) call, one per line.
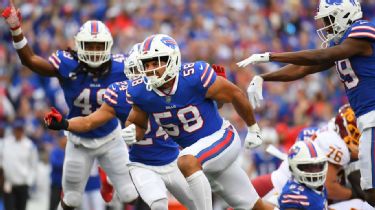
point(84, 93)
point(297, 196)
point(184, 112)
point(157, 148)
point(358, 72)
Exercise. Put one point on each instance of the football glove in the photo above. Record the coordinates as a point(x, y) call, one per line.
point(254, 91)
point(219, 70)
point(129, 134)
point(253, 138)
point(55, 121)
point(254, 59)
point(12, 16)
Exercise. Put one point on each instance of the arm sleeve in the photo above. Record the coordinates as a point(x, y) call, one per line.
point(204, 76)
point(115, 96)
point(64, 62)
point(363, 31)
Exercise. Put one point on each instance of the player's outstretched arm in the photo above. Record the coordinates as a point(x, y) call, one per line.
point(293, 72)
point(34, 62)
point(96, 119)
point(54, 120)
point(348, 48)
point(139, 118)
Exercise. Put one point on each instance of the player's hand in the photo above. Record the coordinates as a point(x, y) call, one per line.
point(255, 91)
point(254, 59)
point(128, 134)
point(12, 16)
point(253, 138)
point(219, 70)
point(55, 121)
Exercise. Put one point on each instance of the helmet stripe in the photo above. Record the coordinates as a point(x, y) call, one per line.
point(147, 45)
point(312, 149)
point(94, 27)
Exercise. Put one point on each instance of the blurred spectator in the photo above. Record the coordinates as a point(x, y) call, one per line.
point(19, 159)
point(57, 161)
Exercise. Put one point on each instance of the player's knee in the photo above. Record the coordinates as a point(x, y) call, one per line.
point(188, 165)
point(71, 200)
point(161, 204)
point(73, 172)
point(127, 193)
point(370, 196)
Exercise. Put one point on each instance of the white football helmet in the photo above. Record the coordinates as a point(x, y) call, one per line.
point(337, 16)
point(93, 31)
point(160, 47)
point(132, 65)
point(308, 163)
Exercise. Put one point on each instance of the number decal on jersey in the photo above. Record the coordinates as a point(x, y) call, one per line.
point(83, 100)
point(346, 73)
point(335, 154)
point(188, 69)
point(149, 141)
point(118, 58)
point(137, 81)
point(190, 123)
point(67, 54)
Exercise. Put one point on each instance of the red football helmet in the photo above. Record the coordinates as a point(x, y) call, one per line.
point(346, 125)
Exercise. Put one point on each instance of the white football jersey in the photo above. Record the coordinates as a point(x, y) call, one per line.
point(333, 146)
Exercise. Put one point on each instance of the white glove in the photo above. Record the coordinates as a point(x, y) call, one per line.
point(128, 134)
point(254, 59)
point(253, 138)
point(254, 91)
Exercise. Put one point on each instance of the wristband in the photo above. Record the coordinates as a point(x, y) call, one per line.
point(16, 32)
point(19, 45)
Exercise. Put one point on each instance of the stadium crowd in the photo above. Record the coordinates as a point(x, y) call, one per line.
point(218, 31)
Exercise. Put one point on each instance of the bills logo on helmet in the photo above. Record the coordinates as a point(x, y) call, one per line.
point(169, 42)
point(293, 151)
point(336, 2)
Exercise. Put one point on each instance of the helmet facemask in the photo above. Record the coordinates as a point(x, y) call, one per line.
point(156, 77)
point(312, 174)
point(94, 53)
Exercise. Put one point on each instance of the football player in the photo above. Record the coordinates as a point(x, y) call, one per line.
point(84, 76)
point(305, 190)
point(153, 161)
point(181, 97)
point(339, 142)
point(349, 43)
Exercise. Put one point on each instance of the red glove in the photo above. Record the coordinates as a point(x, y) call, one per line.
point(106, 189)
point(220, 70)
point(12, 16)
point(55, 121)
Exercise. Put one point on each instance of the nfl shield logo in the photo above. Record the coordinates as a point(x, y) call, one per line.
point(168, 99)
